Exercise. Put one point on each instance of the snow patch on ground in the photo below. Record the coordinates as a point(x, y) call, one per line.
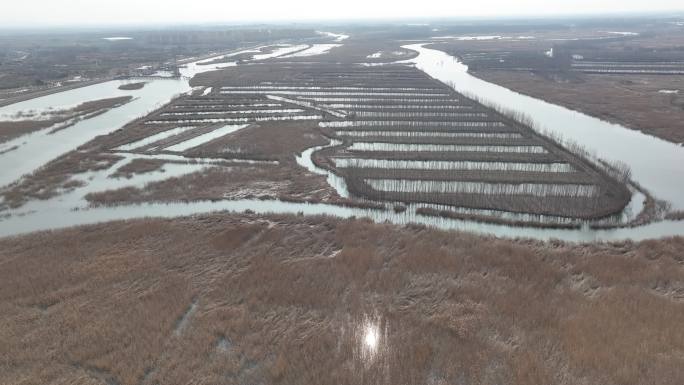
point(314, 50)
point(337, 36)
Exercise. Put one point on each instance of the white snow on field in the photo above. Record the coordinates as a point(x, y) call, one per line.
point(285, 50)
point(163, 74)
point(37, 114)
point(235, 112)
point(201, 139)
point(220, 57)
point(466, 38)
point(117, 38)
point(316, 49)
point(338, 36)
point(154, 138)
point(241, 120)
point(623, 33)
point(485, 37)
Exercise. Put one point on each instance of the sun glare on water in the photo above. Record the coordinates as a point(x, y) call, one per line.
point(370, 338)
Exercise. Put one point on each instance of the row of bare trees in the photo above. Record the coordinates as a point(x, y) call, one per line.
point(584, 201)
point(390, 165)
point(417, 114)
point(450, 125)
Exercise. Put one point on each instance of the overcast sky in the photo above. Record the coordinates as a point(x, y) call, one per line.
point(36, 13)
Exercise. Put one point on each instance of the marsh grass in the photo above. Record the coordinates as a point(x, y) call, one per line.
point(292, 297)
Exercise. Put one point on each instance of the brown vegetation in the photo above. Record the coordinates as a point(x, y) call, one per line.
point(59, 119)
point(474, 118)
point(495, 219)
point(138, 166)
point(233, 181)
point(287, 300)
point(132, 86)
point(96, 105)
point(54, 178)
point(14, 129)
point(630, 100)
point(434, 107)
point(675, 216)
point(268, 140)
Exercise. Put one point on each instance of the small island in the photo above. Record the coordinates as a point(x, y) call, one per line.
point(132, 86)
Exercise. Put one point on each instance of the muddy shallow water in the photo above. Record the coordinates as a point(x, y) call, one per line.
point(58, 217)
point(38, 148)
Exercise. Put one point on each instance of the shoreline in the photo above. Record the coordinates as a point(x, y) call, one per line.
point(55, 90)
point(606, 117)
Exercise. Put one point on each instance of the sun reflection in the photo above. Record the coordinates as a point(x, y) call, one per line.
point(369, 340)
point(370, 337)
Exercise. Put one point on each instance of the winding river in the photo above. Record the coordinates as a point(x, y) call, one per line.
point(655, 164)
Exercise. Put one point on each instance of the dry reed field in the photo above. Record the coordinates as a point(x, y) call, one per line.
point(300, 300)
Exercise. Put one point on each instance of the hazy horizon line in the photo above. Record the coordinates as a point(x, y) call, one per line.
point(557, 17)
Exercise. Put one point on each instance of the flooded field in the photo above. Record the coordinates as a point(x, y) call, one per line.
point(38, 148)
point(381, 137)
point(201, 139)
point(398, 137)
point(654, 163)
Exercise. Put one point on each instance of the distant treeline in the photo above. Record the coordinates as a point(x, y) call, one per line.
point(37, 60)
point(226, 36)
